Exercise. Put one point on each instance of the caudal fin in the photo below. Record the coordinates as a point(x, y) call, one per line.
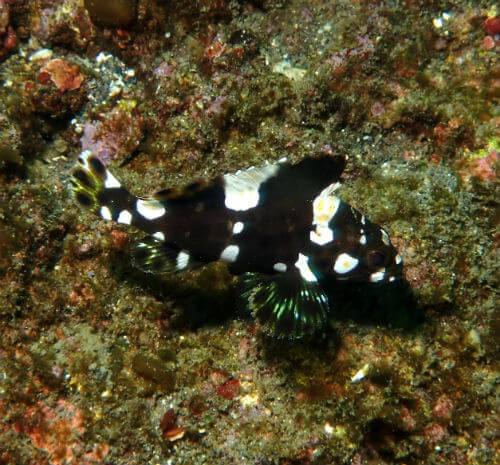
point(97, 190)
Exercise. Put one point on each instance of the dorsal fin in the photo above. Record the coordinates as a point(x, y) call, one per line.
point(166, 194)
point(177, 191)
point(246, 189)
point(242, 187)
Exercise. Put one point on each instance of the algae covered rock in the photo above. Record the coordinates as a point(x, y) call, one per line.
point(10, 139)
point(112, 13)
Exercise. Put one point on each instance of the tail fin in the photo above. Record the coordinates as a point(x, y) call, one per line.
point(96, 189)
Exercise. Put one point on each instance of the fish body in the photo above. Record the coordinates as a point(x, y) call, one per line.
point(281, 226)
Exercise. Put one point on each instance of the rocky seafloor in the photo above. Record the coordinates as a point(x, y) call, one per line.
point(101, 364)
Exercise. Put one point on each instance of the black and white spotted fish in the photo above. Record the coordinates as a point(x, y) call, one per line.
point(281, 226)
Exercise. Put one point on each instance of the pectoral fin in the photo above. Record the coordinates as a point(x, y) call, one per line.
point(155, 256)
point(286, 304)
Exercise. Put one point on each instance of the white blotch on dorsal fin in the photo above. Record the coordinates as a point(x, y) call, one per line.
point(241, 189)
point(325, 206)
point(150, 208)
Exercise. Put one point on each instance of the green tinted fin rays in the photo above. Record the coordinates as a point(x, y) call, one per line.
point(286, 304)
point(155, 256)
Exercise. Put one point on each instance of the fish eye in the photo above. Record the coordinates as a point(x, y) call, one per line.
point(375, 259)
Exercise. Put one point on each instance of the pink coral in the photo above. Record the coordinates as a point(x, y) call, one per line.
point(8, 37)
point(58, 431)
point(435, 433)
point(117, 135)
point(377, 109)
point(484, 168)
point(62, 22)
point(492, 26)
point(64, 75)
point(444, 407)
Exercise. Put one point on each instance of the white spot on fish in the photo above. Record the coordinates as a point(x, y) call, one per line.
point(241, 189)
point(150, 209)
point(325, 206)
point(345, 263)
point(159, 235)
point(230, 253)
point(124, 217)
point(182, 260)
point(391, 279)
point(398, 259)
point(111, 182)
point(106, 213)
point(362, 239)
point(281, 267)
point(241, 200)
point(303, 265)
point(238, 227)
point(321, 236)
point(385, 237)
point(377, 276)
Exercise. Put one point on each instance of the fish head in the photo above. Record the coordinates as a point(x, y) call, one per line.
point(360, 256)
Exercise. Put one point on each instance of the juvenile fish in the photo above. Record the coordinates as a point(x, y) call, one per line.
point(280, 226)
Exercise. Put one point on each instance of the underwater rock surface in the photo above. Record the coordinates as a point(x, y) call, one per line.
point(102, 364)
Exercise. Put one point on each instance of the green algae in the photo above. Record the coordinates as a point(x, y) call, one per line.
point(155, 370)
point(491, 145)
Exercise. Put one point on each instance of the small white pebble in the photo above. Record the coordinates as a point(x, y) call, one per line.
point(438, 23)
point(42, 54)
point(115, 88)
point(249, 399)
point(328, 429)
point(102, 57)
